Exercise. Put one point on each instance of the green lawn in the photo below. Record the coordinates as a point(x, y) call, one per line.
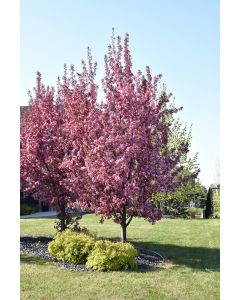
point(191, 271)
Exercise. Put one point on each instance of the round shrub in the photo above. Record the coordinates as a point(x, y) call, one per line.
point(108, 256)
point(71, 247)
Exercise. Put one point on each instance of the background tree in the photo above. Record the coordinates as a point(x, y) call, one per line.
point(213, 202)
point(43, 147)
point(209, 209)
point(175, 202)
point(123, 158)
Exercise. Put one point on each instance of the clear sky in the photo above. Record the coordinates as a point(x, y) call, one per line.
point(178, 38)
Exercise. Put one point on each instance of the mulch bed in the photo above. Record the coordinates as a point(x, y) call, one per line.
point(38, 246)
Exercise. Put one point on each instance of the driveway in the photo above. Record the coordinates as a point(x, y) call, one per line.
point(42, 214)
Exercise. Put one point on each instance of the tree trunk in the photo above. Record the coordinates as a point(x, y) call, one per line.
point(63, 218)
point(124, 226)
point(124, 233)
point(63, 225)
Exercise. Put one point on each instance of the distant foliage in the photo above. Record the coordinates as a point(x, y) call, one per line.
point(26, 209)
point(216, 206)
point(108, 256)
point(176, 202)
point(216, 203)
point(27, 205)
point(193, 212)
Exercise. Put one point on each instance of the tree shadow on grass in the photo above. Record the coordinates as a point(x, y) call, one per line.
point(199, 258)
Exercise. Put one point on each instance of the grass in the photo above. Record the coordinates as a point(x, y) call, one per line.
point(191, 270)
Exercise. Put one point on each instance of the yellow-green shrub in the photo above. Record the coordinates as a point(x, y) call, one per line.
point(71, 247)
point(108, 256)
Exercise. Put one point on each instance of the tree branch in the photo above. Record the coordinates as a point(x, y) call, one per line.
point(129, 221)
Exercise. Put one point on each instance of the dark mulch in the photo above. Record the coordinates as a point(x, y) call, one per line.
point(148, 259)
point(38, 246)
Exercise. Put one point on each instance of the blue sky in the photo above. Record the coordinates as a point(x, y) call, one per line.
point(178, 38)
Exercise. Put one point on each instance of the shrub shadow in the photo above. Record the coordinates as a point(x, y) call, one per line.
point(30, 259)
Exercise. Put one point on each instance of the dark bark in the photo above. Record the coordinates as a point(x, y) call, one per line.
point(64, 218)
point(124, 233)
point(124, 224)
point(129, 220)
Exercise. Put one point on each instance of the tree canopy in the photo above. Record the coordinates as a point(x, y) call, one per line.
point(109, 157)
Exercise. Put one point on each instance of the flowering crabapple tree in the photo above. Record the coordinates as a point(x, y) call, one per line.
point(77, 92)
point(127, 157)
point(52, 132)
point(43, 146)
